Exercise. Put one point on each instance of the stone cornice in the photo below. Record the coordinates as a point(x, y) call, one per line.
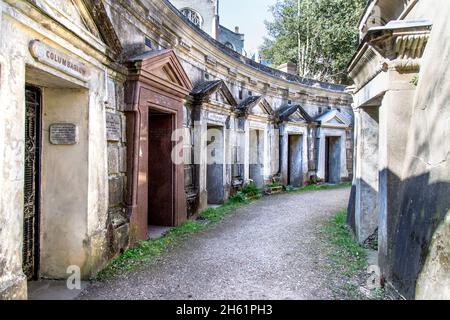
point(367, 65)
point(377, 10)
point(398, 46)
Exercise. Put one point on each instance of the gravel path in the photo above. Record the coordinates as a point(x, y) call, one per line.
point(267, 250)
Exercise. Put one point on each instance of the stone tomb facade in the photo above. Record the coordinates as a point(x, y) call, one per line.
point(57, 89)
point(332, 147)
point(214, 122)
point(155, 90)
point(261, 140)
point(295, 127)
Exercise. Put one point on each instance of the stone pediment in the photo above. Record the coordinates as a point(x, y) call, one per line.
point(89, 16)
point(297, 117)
point(255, 105)
point(163, 68)
point(333, 118)
point(292, 113)
point(216, 91)
point(263, 108)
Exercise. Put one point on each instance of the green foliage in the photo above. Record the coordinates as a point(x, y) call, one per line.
point(415, 80)
point(317, 187)
point(145, 251)
point(214, 215)
point(347, 255)
point(250, 189)
point(239, 197)
point(320, 36)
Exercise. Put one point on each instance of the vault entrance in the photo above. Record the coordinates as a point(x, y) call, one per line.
point(256, 170)
point(155, 89)
point(333, 159)
point(31, 208)
point(295, 151)
point(56, 175)
point(160, 170)
point(215, 165)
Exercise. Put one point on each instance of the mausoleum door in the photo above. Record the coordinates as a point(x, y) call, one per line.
point(31, 181)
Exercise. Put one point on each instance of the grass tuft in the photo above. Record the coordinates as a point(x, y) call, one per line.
point(347, 255)
point(317, 187)
point(145, 251)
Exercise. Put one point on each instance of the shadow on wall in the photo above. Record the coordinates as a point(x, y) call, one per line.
point(423, 207)
point(351, 209)
point(415, 212)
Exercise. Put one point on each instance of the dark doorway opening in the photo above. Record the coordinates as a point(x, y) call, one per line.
point(333, 159)
point(215, 165)
point(256, 166)
point(161, 170)
point(295, 151)
point(32, 165)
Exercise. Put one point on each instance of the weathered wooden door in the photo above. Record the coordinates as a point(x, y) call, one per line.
point(31, 181)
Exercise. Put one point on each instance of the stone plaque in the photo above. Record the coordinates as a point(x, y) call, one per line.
point(217, 117)
point(113, 128)
point(63, 134)
point(257, 125)
point(294, 129)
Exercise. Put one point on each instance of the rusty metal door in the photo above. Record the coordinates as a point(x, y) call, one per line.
point(31, 183)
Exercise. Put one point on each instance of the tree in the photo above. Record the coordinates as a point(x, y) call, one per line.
point(320, 36)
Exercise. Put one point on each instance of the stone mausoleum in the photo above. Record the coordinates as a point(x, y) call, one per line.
point(400, 198)
point(101, 100)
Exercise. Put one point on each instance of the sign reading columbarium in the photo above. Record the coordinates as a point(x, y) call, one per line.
point(63, 134)
point(55, 58)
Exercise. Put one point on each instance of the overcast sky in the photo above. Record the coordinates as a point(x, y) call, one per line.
point(249, 15)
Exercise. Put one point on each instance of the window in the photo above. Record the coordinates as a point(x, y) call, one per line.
point(289, 101)
point(320, 110)
point(229, 45)
point(193, 16)
point(250, 93)
point(240, 94)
